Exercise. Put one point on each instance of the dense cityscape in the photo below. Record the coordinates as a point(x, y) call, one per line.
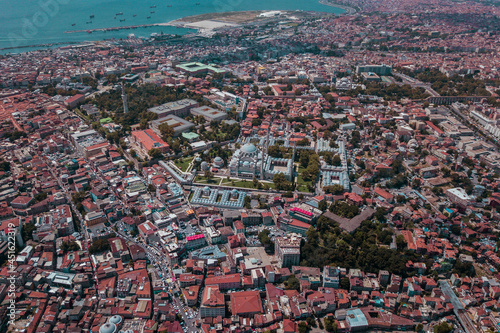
point(293, 172)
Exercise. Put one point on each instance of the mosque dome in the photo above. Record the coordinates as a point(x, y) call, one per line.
point(248, 148)
point(107, 328)
point(116, 319)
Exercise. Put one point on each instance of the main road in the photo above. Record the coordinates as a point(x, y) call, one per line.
point(164, 269)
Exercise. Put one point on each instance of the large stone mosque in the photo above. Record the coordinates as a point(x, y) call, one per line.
point(249, 162)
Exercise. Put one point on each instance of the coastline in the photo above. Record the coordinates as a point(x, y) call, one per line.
point(349, 10)
point(42, 46)
point(228, 18)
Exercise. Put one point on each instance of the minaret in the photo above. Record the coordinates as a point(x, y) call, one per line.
point(264, 155)
point(124, 99)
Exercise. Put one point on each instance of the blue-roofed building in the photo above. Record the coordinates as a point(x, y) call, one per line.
point(356, 320)
point(206, 196)
point(334, 175)
point(347, 127)
point(174, 172)
point(208, 253)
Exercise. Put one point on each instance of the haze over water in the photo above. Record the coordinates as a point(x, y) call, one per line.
point(34, 22)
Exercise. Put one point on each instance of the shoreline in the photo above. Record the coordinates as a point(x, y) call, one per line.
point(230, 17)
point(46, 45)
point(349, 10)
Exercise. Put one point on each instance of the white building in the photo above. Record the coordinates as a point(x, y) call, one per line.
point(288, 251)
point(213, 235)
point(458, 196)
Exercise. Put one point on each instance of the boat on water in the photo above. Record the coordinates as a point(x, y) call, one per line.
point(148, 17)
point(197, 4)
point(120, 13)
point(92, 16)
point(134, 15)
point(152, 12)
point(169, 6)
point(73, 24)
point(122, 20)
point(154, 6)
point(89, 22)
point(89, 31)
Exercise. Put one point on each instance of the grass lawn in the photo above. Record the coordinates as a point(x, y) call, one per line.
point(80, 113)
point(243, 183)
point(203, 180)
point(301, 183)
point(183, 163)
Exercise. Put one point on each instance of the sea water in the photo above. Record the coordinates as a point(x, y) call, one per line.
point(37, 22)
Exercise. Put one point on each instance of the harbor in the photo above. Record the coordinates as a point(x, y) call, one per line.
point(118, 28)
